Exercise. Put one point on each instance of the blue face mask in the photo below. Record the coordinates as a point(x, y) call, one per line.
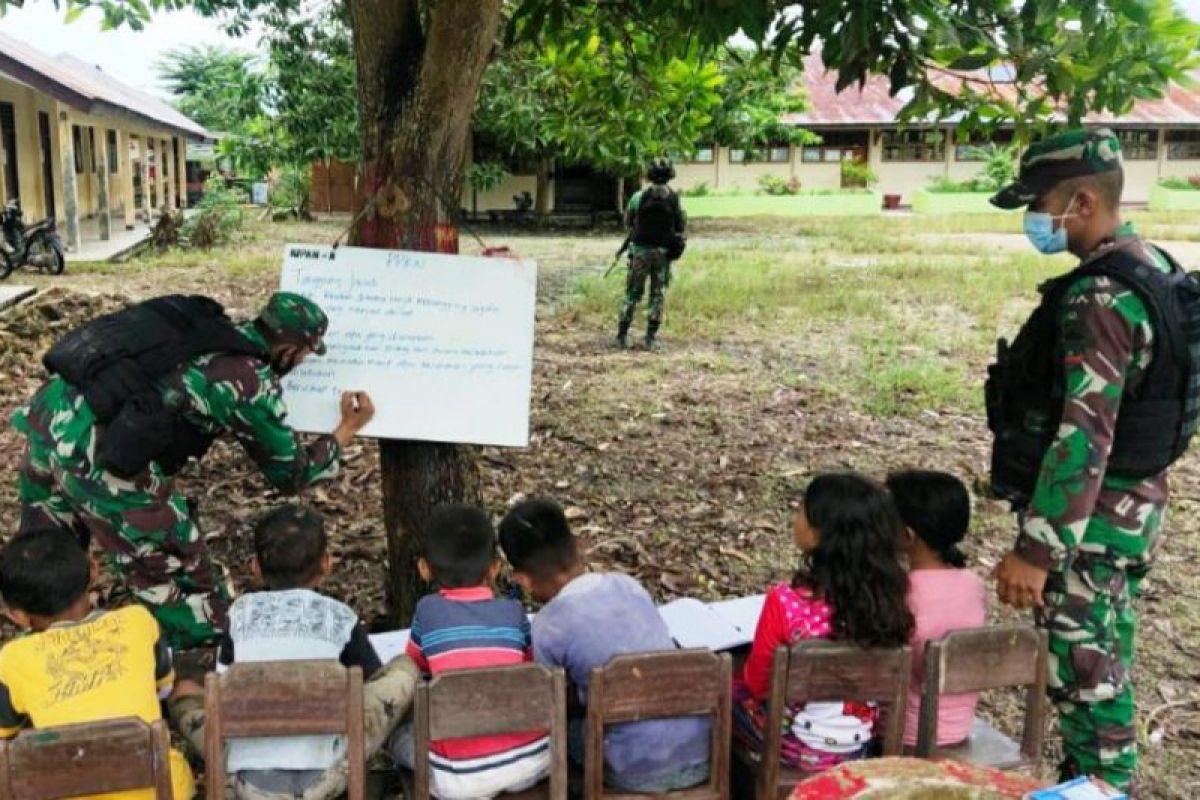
point(1040, 230)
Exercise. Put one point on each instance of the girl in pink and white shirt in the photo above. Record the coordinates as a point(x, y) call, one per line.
point(851, 587)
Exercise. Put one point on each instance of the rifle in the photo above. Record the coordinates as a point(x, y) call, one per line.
point(620, 252)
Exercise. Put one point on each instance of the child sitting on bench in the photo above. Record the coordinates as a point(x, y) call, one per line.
point(290, 621)
point(944, 596)
point(79, 664)
point(463, 626)
point(589, 617)
point(851, 587)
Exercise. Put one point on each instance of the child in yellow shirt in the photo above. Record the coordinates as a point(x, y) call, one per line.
point(78, 664)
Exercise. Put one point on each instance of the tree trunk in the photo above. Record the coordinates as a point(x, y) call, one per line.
point(419, 70)
point(542, 201)
point(620, 182)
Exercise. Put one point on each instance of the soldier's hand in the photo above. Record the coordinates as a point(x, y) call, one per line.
point(1019, 583)
point(357, 411)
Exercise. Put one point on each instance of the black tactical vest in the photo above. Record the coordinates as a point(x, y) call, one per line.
point(116, 361)
point(1025, 388)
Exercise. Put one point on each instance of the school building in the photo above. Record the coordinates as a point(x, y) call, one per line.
point(1160, 138)
point(84, 148)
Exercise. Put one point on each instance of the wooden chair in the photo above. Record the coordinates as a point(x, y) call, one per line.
point(813, 671)
point(284, 698)
point(95, 757)
point(486, 702)
point(979, 660)
point(643, 686)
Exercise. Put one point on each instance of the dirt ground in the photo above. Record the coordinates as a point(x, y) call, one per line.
point(680, 467)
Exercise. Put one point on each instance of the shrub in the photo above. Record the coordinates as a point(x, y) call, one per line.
point(855, 174)
point(699, 190)
point(290, 189)
point(483, 176)
point(1189, 184)
point(939, 184)
point(775, 185)
point(218, 217)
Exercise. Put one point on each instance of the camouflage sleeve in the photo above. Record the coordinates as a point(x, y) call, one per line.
point(245, 398)
point(1098, 342)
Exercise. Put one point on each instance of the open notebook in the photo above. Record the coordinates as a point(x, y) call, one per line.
point(718, 626)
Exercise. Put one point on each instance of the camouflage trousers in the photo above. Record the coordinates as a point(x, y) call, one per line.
point(145, 530)
point(387, 699)
point(1092, 625)
point(651, 266)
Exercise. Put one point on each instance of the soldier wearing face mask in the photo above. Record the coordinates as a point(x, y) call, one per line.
point(136, 395)
point(1090, 405)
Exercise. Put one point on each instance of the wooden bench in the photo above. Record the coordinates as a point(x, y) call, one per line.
point(486, 702)
point(645, 686)
point(813, 671)
point(284, 698)
point(978, 660)
point(91, 758)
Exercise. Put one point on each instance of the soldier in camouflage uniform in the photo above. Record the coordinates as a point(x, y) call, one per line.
point(655, 218)
point(143, 526)
point(1087, 537)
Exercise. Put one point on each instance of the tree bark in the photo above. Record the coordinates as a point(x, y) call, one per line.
point(542, 202)
point(419, 69)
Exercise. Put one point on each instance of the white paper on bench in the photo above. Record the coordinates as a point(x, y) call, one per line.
point(692, 623)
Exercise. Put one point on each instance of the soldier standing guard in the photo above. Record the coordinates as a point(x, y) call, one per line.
point(657, 223)
point(1090, 405)
point(133, 397)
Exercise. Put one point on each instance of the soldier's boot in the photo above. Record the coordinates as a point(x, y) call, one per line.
point(652, 336)
point(622, 340)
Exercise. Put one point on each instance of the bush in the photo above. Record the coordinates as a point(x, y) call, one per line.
point(1189, 184)
point(855, 174)
point(291, 188)
point(939, 184)
point(699, 190)
point(775, 185)
point(218, 217)
point(483, 176)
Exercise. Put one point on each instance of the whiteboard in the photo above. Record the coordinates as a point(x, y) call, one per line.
point(443, 343)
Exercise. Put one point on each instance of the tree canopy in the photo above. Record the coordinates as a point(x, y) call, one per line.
point(216, 86)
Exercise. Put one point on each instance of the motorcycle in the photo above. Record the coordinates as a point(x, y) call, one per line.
point(36, 245)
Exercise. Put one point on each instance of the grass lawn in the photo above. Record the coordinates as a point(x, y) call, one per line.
point(791, 347)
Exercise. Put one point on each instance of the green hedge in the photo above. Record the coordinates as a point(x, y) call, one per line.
point(1164, 199)
point(927, 202)
point(848, 204)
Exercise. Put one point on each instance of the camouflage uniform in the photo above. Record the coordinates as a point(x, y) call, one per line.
point(144, 527)
point(645, 263)
point(1095, 533)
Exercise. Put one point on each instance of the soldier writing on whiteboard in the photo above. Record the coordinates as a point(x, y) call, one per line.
point(133, 397)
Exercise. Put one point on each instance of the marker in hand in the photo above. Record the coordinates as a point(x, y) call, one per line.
point(357, 410)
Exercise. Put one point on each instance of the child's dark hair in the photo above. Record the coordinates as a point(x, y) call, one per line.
point(855, 566)
point(459, 545)
point(44, 572)
point(537, 539)
point(936, 507)
point(289, 543)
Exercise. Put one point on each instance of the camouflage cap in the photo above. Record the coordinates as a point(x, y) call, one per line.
point(1056, 158)
point(293, 317)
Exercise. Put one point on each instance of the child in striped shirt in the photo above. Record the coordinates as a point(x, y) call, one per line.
point(464, 626)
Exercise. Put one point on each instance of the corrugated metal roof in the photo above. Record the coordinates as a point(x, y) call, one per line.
point(872, 105)
point(87, 88)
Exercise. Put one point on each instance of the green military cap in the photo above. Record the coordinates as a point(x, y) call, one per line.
point(1056, 158)
point(293, 317)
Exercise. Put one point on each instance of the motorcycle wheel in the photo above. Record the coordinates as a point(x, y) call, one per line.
point(45, 248)
point(6, 265)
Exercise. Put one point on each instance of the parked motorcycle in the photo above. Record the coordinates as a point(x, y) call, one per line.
point(36, 245)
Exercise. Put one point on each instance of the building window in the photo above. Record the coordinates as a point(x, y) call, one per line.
point(77, 143)
point(92, 148)
point(835, 146)
point(970, 149)
point(780, 153)
point(705, 154)
point(914, 145)
point(1183, 145)
point(8, 144)
point(1138, 144)
point(114, 157)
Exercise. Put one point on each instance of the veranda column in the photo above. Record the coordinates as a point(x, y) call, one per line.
point(144, 168)
point(102, 186)
point(125, 176)
point(180, 162)
point(66, 164)
point(168, 160)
